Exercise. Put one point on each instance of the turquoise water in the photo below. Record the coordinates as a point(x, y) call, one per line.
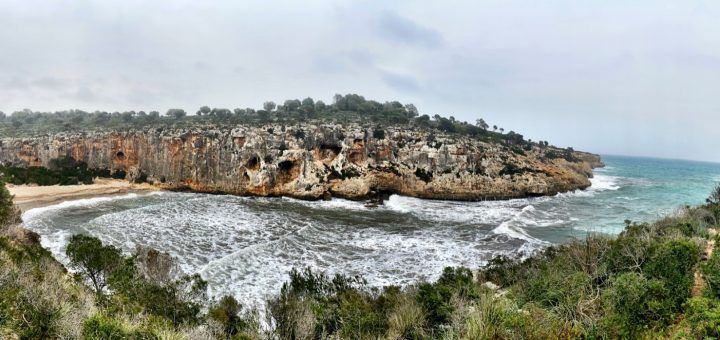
point(640, 189)
point(246, 246)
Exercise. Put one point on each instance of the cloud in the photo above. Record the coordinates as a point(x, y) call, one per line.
point(613, 77)
point(401, 82)
point(86, 95)
point(51, 83)
point(401, 30)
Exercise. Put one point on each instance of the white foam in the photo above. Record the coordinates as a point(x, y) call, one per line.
point(33, 213)
point(85, 202)
point(604, 182)
point(401, 204)
point(335, 203)
point(247, 246)
point(511, 229)
point(484, 212)
point(576, 193)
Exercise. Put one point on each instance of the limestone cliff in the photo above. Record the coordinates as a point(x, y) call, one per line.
point(312, 161)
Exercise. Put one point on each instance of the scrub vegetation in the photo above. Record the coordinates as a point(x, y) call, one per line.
point(654, 280)
point(349, 108)
point(60, 171)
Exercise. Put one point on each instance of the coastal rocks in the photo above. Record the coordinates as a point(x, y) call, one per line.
point(317, 161)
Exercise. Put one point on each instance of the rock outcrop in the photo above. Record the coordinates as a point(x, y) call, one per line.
point(314, 161)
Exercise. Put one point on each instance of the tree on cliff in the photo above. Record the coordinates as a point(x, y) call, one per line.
point(2, 115)
point(204, 110)
point(308, 104)
point(412, 110)
point(177, 113)
point(291, 105)
point(482, 124)
point(269, 106)
point(222, 113)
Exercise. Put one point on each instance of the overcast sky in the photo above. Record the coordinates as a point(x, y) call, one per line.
point(617, 77)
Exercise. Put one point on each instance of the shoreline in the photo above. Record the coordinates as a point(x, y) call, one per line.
point(27, 197)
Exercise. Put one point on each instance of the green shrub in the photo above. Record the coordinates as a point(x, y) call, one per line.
point(629, 250)
point(229, 313)
point(179, 301)
point(437, 298)
point(703, 317)
point(60, 171)
point(503, 270)
point(39, 316)
point(93, 260)
point(673, 263)
point(102, 327)
point(711, 272)
point(314, 305)
point(9, 214)
point(635, 303)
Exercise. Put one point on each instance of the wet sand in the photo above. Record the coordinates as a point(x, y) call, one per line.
point(33, 196)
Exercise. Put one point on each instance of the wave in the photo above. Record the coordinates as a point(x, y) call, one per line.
point(335, 203)
point(604, 183)
point(33, 213)
point(510, 228)
point(575, 193)
point(485, 212)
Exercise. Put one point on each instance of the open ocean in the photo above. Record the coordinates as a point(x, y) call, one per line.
point(246, 246)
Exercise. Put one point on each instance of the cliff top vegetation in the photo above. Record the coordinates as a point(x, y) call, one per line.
point(345, 109)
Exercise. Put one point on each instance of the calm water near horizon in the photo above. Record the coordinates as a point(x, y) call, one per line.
point(245, 246)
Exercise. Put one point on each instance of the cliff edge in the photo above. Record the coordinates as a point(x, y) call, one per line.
point(312, 161)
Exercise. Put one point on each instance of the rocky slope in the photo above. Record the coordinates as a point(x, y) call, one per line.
point(316, 161)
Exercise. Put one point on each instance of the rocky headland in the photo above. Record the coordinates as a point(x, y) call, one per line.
point(314, 161)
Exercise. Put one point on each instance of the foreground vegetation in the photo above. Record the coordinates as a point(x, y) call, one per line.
point(651, 281)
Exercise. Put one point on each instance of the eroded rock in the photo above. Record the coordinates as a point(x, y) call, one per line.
point(314, 161)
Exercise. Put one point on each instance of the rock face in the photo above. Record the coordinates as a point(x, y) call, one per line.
point(311, 161)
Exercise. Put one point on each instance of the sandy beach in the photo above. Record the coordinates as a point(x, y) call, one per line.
point(33, 196)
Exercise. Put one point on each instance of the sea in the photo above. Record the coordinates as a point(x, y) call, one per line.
point(245, 246)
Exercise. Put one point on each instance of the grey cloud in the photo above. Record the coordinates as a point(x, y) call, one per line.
point(405, 31)
point(602, 76)
point(401, 82)
point(50, 83)
point(85, 94)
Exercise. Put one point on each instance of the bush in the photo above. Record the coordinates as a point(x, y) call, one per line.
point(93, 260)
point(60, 171)
point(9, 214)
point(714, 198)
point(711, 273)
point(227, 312)
point(437, 299)
point(703, 317)
point(103, 327)
point(627, 302)
point(673, 263)
point(406, 319)
point(314, 305)
point(179, 301)
point(379, 133)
